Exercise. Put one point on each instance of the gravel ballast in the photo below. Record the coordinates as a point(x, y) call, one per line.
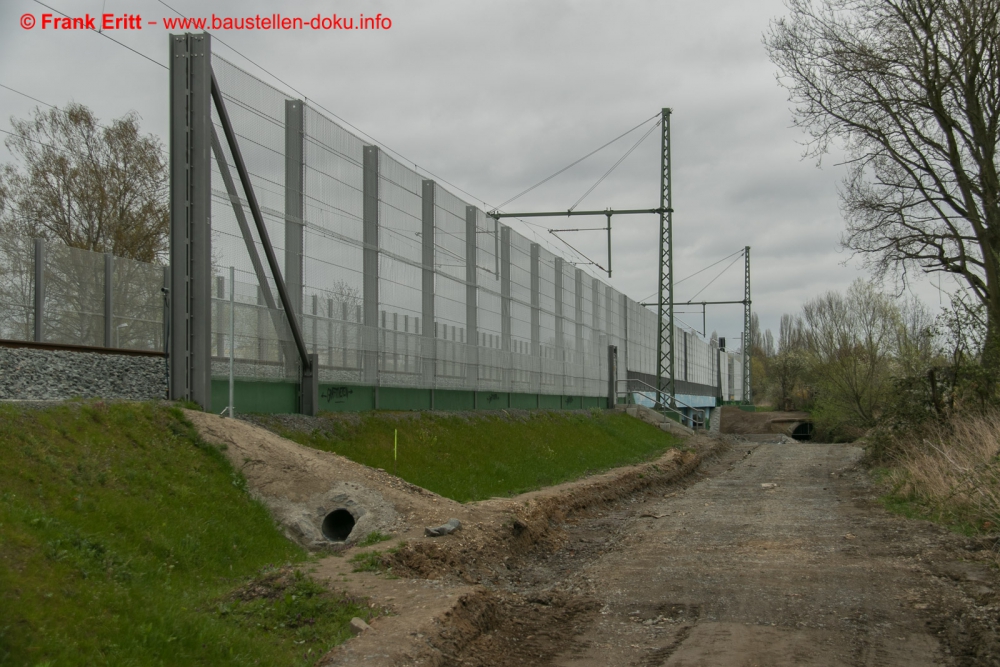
point(48, 375)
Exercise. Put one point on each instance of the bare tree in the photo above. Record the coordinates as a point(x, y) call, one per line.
point(911, 90)
point(91, 186)
point(789, 363)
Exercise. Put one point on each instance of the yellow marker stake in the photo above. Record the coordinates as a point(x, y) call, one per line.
point(395, 451)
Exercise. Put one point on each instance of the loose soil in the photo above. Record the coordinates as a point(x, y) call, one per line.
point(737, 552)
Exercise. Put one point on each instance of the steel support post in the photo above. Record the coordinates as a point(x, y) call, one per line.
point(558, 281)
point(625, 345)
point(684, 337)
point(609, 320)
point(428, 339)
point(747, 342)
point(612, 376)
point(665, 305)
point(370, 264)
point(471, 299)
point(232, 339)
point(220, 337)
point(505, 307)
point(109, 299)
point(294, 202)
point(560, 333)
point(536, 346)
point(39, 319)
point(718, 373)
point(190, 219)
point(594, 350)
point(165, 290)
point(578, 310)
point(295, 244)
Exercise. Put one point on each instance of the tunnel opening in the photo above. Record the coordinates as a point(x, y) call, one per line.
point(337, 525)
point(803, 431)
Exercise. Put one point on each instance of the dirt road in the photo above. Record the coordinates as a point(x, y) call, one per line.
point(773, 555)
point(780, 558)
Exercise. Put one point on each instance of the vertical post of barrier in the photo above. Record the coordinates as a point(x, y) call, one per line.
point(612, 376)
point(609, 321)
point(294, 208)
point(560, 333)
point(329, 332)
point(718, 369)
point(595, 325)
point(429, 338)
point(294, 240)
point(165, 290)
point(471, 300)
point(578, 309)
point(220, 294)
point(232, 335)
point(190, 218)
point(369, 297)
point(625, 341)
point(536, 351)
point(109, 310)
point(505, 304)
point(315, 323)
point(39, 291)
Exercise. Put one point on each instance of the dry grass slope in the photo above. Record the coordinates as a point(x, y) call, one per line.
point(951, 473)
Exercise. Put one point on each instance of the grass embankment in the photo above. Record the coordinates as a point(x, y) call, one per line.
point(948, 473)
point(126, 540)
point(477, 456)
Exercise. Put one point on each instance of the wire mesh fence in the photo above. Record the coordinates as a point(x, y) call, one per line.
point(397, 282)
point(394, 281)
point(53, 293)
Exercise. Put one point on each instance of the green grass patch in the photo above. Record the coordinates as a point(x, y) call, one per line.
point(954, 520)
point(373, 537)
point(899, 499)
point(369, 561)
point(474, 457)
point(374, 560)
point(123, 537)
point(285, 603)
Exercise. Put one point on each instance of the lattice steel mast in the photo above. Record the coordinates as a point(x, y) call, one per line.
point(747, 342)
point(665, 305)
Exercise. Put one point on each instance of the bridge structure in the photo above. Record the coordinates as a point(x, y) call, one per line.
point(319, 272)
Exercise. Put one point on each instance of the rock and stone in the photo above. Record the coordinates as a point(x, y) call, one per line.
point(53, 375)
point(358, 626)
point(444, 529)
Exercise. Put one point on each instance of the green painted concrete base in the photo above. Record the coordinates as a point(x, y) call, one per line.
point(279, 397)
point(283, 397)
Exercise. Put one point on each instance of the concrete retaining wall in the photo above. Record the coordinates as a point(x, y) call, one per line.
point(40, 375)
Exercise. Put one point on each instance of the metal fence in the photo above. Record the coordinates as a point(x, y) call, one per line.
point(52, 293)
point(397, 282)
point(394, 280)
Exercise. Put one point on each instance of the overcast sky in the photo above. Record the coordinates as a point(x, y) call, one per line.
point(494, 96)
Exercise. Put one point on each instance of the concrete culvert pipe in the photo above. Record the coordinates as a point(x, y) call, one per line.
point(800, 429)
point(803, 431)
point(337, 525)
